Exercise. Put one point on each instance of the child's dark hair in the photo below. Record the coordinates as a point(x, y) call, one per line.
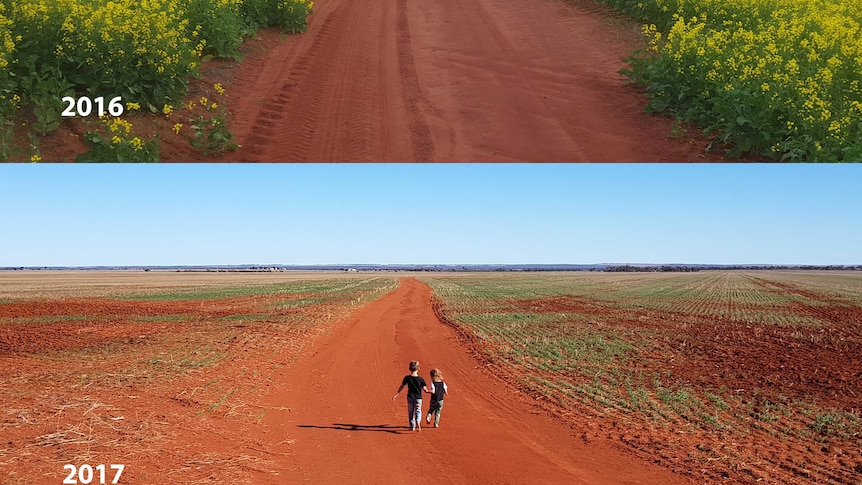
point(414, 365)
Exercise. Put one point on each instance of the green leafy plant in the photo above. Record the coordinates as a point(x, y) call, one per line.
point(7, 150)
point(221, 25)
point(211, 134)
point(288, 15)
point(291, 15)
point(46, 97)
point(114, 142)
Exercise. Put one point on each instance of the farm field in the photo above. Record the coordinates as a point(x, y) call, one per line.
point(481, 80)
point(554, 377)
point(92, 64)
point(738, 376)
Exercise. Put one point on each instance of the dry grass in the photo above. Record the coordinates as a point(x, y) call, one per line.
point(221, 468)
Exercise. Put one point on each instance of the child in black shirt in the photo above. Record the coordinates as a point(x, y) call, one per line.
point(415, 385)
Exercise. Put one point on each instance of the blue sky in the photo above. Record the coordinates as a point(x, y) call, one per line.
point(74, 215)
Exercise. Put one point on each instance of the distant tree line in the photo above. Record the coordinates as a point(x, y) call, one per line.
point(627, 268)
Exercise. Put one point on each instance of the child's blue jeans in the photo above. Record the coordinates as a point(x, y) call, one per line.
point(414, 411)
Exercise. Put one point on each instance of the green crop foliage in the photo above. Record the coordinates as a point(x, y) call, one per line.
point(836, 423)
point(142, 51)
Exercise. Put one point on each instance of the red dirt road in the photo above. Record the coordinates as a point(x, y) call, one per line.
point(341, 426)
point(428, 81)
point(448, 80)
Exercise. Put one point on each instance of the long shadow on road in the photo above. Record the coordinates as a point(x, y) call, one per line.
point(385, 428)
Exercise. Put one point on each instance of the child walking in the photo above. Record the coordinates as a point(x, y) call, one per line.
point(438, 391)
point(415, 385)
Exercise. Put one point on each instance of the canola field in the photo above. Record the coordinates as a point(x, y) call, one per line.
point(773, 77)
point(144, 51)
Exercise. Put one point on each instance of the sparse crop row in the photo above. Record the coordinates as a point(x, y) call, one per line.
point(333, 286)
point(725, 296)
point(639, 349)
point(773, 77)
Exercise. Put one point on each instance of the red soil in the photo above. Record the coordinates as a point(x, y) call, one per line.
point(448, 80)
point(93, 320)
point(310, 406)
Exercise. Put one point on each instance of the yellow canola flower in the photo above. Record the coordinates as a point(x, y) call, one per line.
point(7, 45)
point(799, 60)
point(133, 43)
point(119, 126)
point(129, 44)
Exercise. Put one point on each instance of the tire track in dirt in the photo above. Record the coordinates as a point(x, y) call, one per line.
point(423, 144)
point(446, 80)
point(282, 110)
point(322, 91)
point(516, 71)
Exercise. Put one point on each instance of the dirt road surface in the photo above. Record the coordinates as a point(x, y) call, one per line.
point(340, 424)
point(450, 80)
